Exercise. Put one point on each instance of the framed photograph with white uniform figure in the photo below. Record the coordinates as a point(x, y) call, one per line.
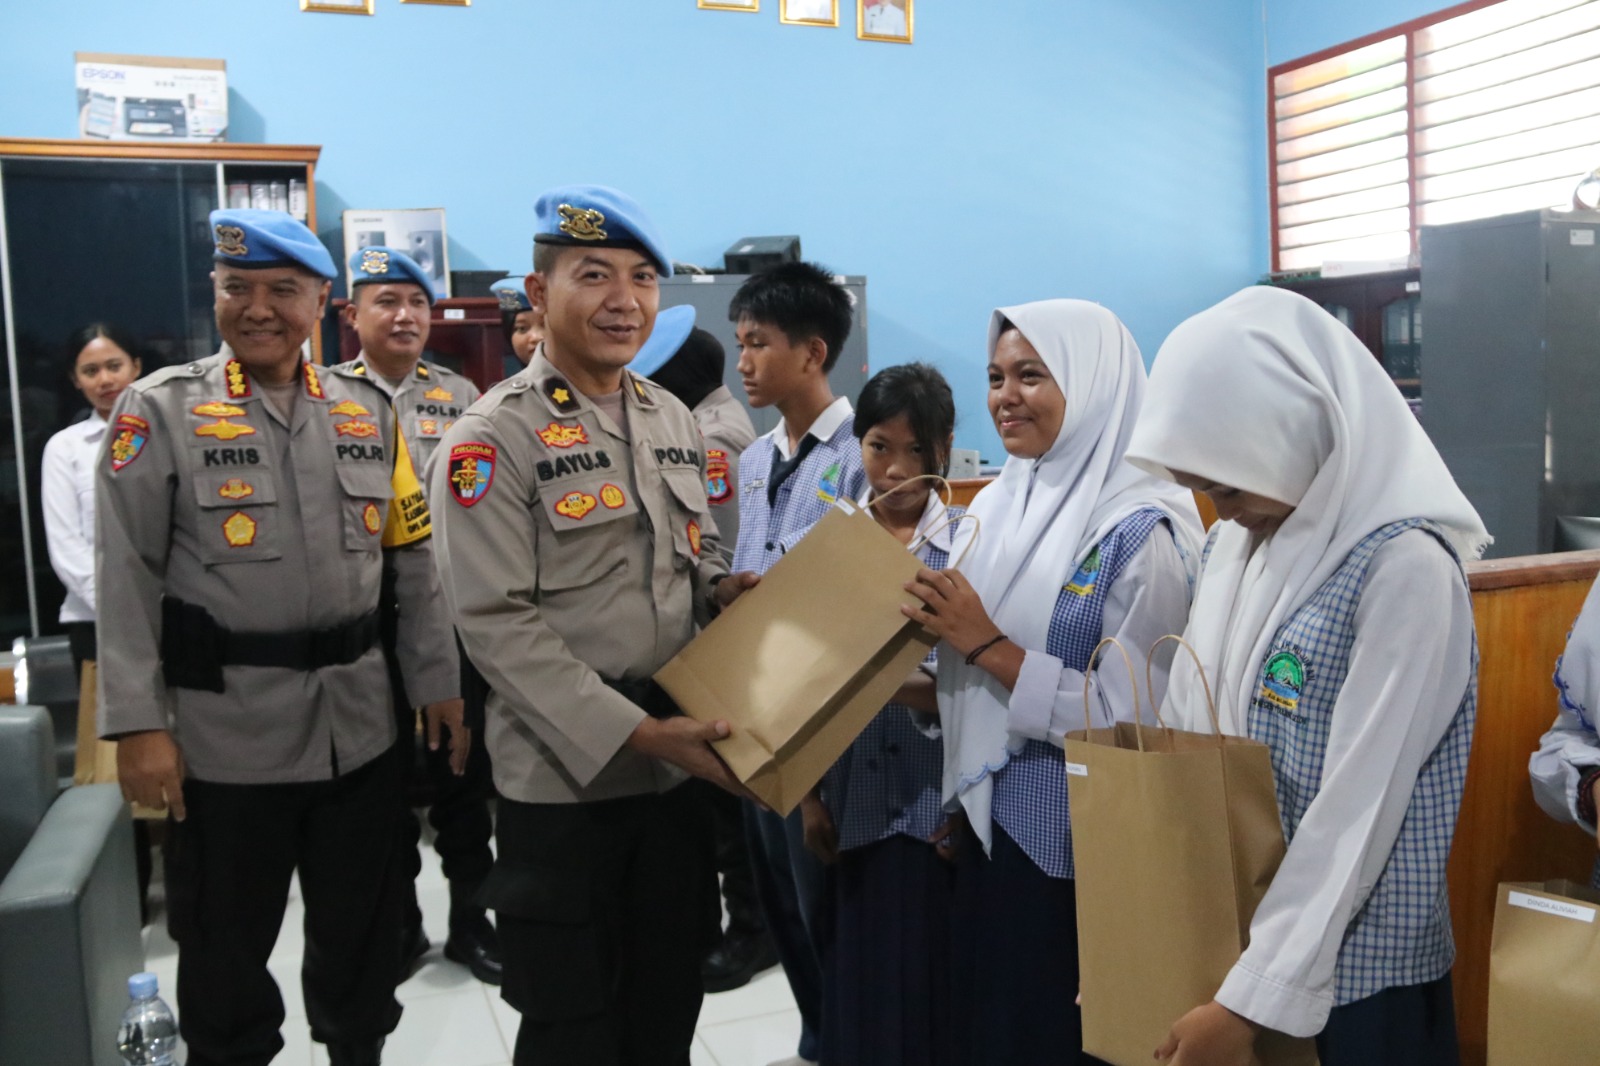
point(884, 20)
point(809, 12)
point(730, 5)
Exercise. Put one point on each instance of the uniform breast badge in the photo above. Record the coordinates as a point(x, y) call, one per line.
point(1282, 681)
point(575, 505)
point(556, 435)
point(694, 537)
point(371, 519)
point(429, 427)
point(611, 495)
point(349, 408)
point(236, 489)
point(352, 428)
point(224, 430)
point(216, 409)
point(471, 472)
point(828, 487)
point(718, 488)
point(1083, 579)
point(132, 433)
point(439, 393)
point(240, 530)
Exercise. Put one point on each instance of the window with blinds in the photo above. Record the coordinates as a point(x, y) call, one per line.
point(1483, 109)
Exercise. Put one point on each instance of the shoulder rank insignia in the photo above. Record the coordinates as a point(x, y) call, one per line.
point(236, 489)
point(238, 381)
point(423, 372)
point(440, 393)
point(349, 408)
point(352, 428)
point(471, 471)
point(718, 488)
point(641, 393)
point(555, 435)
point(224, 430)
point(560, 394)
point(371, 519)
point(240, 530)
point(584, 223)
point(575, 505)
point(360, 370)
point(612, 496)
point(218, 410)
point(132, 433)
point(694, 536)
point(313, 383)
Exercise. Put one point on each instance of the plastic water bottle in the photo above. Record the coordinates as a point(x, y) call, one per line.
point(149, 1033)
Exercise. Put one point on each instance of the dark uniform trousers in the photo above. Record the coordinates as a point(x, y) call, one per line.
point(580, 891)
point(228, 868)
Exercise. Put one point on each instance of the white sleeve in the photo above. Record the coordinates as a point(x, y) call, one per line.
point(1570, 748)
point(1148, 600)
point(1409, 667)
point(71, 546)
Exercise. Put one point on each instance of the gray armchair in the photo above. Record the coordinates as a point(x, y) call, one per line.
point(69, 905)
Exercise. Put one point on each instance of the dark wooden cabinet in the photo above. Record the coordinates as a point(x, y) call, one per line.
point(1384, 311)
point(465, 336)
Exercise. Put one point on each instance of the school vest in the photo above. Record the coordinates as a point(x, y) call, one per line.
point(1401, 935)
point(1030, 790)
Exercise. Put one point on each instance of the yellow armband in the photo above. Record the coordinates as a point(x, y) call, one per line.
point(408, 520)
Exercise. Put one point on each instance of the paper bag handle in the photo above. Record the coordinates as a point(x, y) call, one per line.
point(948, 522)
point(1133, 683)
point(947, 494)
point(1149, 685)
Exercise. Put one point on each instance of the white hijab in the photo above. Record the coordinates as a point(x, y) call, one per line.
point(1268, 393)
point(1041, 518)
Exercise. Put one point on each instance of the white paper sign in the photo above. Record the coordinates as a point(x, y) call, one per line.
point(1077, 769)
point(1557, 907)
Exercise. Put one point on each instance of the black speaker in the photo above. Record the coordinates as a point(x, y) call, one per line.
point(752, 255)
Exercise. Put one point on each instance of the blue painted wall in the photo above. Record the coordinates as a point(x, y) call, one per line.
point(1018, 150)
point(1297, 28)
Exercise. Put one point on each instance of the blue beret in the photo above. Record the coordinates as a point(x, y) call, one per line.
point(249, 238)
point(378, 265)
point(512, 294)
point(673, 326)
point(599, 217)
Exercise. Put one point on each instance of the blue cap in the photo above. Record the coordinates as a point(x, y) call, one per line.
point(378, 265)
point(673, 326)
point(253, 239)
point(512, 294)
point(143, 985)
point(599, 217)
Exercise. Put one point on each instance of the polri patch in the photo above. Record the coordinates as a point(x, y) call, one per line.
point(235, 489)
point(575, 505)
point(371, 519)
point(718, 488)
point(239, 529)
point(694, 536)
point(556, 435)
point(132, 434)
point(471, 471)
point(612, 496)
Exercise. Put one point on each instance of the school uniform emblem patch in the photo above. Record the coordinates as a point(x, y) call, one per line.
point(224, 430)
point(694, 537)
point(236, 489)
point(239, 529)
point(718, 488)
point(471, 472)
point(132, 433)
point(828, 487)
point(371, 519)
point(1083, 579)
point(612, 496)
point(556, 435)
point(1282, 680)
point(575, 505)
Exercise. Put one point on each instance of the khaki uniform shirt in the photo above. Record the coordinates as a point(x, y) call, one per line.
point(427, 403)
point(570, 554)
point(206, 493)
point(726, 427)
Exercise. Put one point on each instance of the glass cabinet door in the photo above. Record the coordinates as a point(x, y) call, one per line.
point(126, 243)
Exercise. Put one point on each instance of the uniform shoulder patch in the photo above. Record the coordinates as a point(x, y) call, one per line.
point(558, 392)
point(238, 381)
point(471, 471)
point(129, 436)
point(719, 489)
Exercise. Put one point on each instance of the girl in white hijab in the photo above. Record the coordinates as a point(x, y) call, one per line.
point(1072, 544)
point(1566, 768)
point(1334, 620)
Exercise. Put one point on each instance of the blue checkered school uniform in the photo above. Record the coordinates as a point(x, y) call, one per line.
point(888, 780)
point(832, 469)
point(1030, 790)
point(1401, 935)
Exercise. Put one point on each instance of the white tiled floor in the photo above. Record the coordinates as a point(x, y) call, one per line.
point(452, 1020)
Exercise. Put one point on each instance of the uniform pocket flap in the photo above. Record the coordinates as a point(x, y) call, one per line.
point(366, 481)
point(223, 489)
point(689, 488)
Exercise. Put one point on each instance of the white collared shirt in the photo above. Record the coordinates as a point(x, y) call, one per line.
point(66, 491)
point(934, 527)
point(827, 423)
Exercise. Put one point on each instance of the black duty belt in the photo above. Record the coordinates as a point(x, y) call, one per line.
point(194, 648)
point(647, 696)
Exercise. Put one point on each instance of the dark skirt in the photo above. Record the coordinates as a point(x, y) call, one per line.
point(1015, 959)
point(886, 982)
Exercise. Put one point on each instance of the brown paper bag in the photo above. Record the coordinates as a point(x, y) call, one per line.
point(1175, 837)
point(95, 760)
point(800, 664)
point(1544, 975)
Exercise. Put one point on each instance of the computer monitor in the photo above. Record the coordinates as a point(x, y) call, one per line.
point(1576, 533)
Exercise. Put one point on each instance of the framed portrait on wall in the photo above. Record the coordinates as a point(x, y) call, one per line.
point(809, 12)
point(884, 20)
point(338, 7)
point(730, 5)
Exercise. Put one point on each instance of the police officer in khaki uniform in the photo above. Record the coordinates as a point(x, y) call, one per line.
point(246, 503)
point(391, 303)
point(577, 548)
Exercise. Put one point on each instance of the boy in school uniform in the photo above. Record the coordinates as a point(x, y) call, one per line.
point(792, 322)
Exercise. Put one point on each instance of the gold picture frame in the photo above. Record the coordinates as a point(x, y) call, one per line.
point(752, 6)
point(338, 7)
point(441, 3)
point(886, 18)
point(808, 12)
